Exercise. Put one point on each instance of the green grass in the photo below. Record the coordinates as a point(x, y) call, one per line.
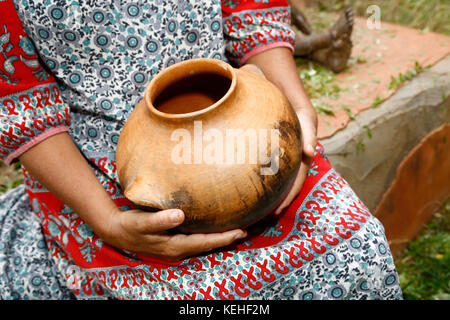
point(10, 176)
point(425, 15)
point(318, 80)
point(408, 75)
point(424, 266)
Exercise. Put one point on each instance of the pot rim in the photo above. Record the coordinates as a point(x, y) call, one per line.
point(190, 67)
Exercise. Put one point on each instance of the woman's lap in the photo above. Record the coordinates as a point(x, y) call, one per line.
point(361, 268)
point(325, 246)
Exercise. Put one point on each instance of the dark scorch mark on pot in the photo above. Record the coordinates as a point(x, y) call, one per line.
point(287, 130)
point(181, 199)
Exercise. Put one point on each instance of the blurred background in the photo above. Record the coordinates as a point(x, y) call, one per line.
point(384, 121)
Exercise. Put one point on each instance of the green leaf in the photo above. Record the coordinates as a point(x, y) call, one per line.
point(369, 132)
point(348, 111)
point(378, 100)
point(324, 110)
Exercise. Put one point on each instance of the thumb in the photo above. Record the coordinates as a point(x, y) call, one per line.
point(309, 134)
point(152, 222)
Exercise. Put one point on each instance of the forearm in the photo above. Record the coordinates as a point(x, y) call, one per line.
point(279, 68)
point(59, 166)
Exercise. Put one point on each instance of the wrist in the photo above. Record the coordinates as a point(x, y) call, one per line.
point(101, 217)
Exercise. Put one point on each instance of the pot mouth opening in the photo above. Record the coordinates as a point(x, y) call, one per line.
point(190, 88)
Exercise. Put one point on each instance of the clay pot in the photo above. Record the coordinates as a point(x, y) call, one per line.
point(180, 147)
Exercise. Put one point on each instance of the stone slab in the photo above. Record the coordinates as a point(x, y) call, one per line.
point(368, 152)
point(381, 54)
point(421, 186)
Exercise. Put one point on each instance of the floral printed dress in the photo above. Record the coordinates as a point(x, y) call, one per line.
point(80, 67)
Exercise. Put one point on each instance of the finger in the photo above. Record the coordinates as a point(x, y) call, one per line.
point(186, 245)
point(309, 136)
point(296, 187)
point(308, 123)
point(154, 222)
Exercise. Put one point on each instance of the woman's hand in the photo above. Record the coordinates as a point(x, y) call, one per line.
point(308, 123)
point(279, 67)
point(146, 233)
point(58, 165)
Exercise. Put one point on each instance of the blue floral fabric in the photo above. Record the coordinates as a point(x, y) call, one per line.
point(26, 268)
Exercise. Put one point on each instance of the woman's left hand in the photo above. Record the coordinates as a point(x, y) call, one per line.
point(278, 66)
point(308, 124)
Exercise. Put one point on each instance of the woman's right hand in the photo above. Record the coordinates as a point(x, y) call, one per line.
point(57, 163)
point(146, 233)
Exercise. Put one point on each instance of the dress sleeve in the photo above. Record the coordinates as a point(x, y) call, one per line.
point(253, 26)
point(31, 108)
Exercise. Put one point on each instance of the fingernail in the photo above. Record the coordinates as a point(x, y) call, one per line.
point(240, 235)
point(176, 216)
point(280, 208)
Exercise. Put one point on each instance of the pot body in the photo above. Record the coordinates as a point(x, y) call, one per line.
point(226, 165)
